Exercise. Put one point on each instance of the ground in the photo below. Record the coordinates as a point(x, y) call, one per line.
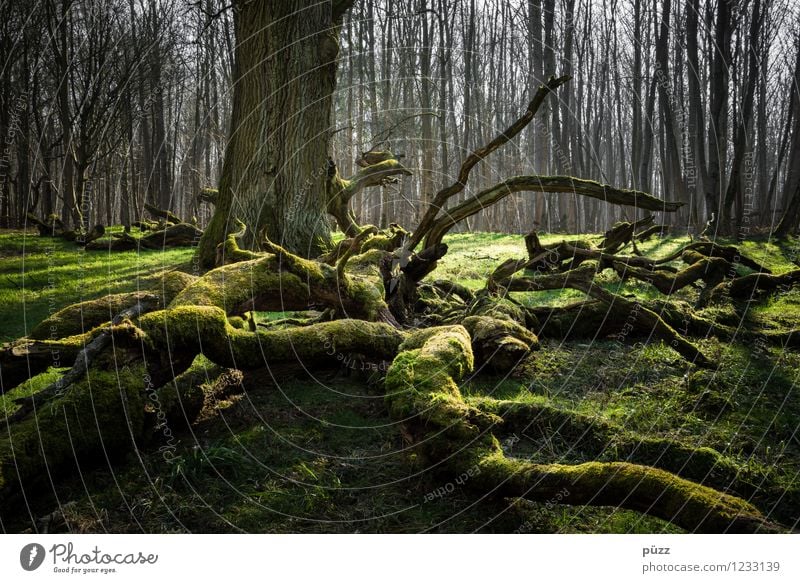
point(319, 453)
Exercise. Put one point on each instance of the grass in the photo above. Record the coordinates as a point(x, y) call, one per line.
point(39, 276)
point(291, 452)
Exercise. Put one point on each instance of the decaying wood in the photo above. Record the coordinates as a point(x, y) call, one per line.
point(363, 296)
point(165, 214)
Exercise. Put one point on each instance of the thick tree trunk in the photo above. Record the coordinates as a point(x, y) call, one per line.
point(274, 175)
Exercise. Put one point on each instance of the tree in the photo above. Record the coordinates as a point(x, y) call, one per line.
point(275, 173)
point(791, 186)
point(371, 295)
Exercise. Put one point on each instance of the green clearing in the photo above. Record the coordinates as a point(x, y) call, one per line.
point(298, 452)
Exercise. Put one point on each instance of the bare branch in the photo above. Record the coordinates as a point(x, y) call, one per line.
point(477, 155)
point(554, 184)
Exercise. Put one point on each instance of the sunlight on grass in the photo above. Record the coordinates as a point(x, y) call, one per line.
point(39, 276)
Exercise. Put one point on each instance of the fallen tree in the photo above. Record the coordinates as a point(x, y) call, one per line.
point(167, 231)
point(369, 294)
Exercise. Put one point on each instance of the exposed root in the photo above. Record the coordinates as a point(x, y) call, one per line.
point(423, 394)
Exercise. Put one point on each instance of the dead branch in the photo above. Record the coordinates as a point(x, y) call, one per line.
point(478, 155)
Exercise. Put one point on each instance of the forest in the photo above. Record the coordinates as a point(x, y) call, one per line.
point(343, 266)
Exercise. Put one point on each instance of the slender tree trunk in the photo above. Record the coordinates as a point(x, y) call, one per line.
point(743, 167)
point(718, 131)
point(535, 79)
point(791, 186)
point(674, 187)
point(697, 169)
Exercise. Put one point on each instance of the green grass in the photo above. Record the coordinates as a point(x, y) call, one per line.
point(292, 452)
point(40, 275)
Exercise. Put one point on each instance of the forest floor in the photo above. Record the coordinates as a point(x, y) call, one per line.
point(318, 453)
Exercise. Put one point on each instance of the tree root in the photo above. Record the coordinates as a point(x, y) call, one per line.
point(499, 345)
point(422, 394)
point(281, 281)
point(598, 437)
point(101, 406)
point(180, 235)
point(101, 417)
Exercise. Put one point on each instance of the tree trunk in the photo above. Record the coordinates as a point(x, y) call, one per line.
point(671, 155)
point(718, 132)
point(737, 192)
point(791, 186)
point(697, 170)
point(275, 170)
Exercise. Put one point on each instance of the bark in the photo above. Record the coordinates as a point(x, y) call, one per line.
point(274, 174)
point(554, 184)
point(740, 196)
point(672, 152)
point(791, 186)
point(718, 130)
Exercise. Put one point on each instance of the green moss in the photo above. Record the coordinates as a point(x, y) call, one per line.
point(422, 391)
point(500, 344)
point(26, 389)
point(190, 330)
point(497, 307)
point(103, 413)
point(84, 316)
point(170, 283)
point(692, 506)
point(181, 400)
point(230, 286)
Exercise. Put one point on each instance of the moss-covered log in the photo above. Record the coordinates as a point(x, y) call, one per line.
point(622, 233)
point(711, 270)
point(53, 227)
point(101, 414)
point(183, 332)
point(165, 214)
point(100, 418)
point(423, 394)
point(498, 344)
point(281, 281)
point(748, 285)
point(591, 435)
point(59, 338)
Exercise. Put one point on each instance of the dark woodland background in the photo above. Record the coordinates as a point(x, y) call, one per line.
point(108, 104)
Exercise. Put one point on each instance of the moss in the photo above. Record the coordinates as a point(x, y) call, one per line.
point(231, 253)
point(170, 283)
point(290, 283)
point(597, 437)
point(27, 388)
point(499, 344)
point(709, 394)
point(191, 330)
point(379, 243)
point(497, 307)
point(692, 506)
point(84, 316)
point(422, 391)
point(230, 286)
point(181, 400)
point(100, 415)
